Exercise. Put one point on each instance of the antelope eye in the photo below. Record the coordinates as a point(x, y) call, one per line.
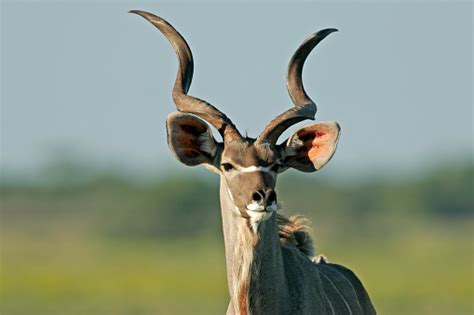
point(227, 166)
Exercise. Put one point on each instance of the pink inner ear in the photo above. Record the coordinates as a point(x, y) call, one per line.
point(322, 144)
point(311, 147)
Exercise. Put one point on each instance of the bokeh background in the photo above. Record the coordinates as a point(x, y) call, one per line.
point(98, 218)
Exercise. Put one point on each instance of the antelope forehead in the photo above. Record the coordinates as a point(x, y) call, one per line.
point(266, 152)
point(239, 154)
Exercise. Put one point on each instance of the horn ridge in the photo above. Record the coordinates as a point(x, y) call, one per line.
point(184, 102)
point(304, 108)
point(294, 80)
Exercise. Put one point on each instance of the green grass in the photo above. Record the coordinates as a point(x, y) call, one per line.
point(70, 275)
point(50, 268)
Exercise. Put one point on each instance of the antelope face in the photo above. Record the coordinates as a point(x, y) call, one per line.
point(250, 172)
point(248, 167)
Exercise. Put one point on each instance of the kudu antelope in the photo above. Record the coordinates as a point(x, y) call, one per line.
point(270, 268)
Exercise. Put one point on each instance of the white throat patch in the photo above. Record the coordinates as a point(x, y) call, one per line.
point(259, 213)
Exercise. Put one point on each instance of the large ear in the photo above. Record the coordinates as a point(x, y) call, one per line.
point(190, 139)
point(311, 147)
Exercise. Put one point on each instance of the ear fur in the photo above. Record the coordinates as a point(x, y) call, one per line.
point(190, 139)
point(311, 147)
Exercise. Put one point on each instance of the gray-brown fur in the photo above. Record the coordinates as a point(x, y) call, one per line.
point(270, 269)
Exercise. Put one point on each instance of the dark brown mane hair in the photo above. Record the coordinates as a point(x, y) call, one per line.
point(294, 231)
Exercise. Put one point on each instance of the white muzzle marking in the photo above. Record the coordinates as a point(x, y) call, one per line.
point(258, 213)
point(255, 207)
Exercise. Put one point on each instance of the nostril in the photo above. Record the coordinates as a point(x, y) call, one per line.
point(271, 197)
point(257, 196)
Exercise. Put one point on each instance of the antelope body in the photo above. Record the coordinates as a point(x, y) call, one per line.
point(270, 268)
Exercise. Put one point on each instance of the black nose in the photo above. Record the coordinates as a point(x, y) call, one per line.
point(271, 197)
point(258, 197)
point(264, 197)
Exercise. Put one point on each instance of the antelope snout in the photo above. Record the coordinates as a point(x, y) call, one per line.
point(263, 199)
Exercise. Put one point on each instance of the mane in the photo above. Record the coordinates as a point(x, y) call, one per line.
point(295, 231)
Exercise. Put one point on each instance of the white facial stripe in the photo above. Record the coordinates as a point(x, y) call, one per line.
point(237, 211)
point(250, 169)
point(230, 195)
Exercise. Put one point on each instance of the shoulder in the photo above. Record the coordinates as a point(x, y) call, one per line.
point(345, 280)
point(342, 271)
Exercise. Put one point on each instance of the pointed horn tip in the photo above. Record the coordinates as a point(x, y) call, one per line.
point(141, 13)
point(322, 33)
point(328, 30)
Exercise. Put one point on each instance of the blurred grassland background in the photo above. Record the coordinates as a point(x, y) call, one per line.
point(78, 240)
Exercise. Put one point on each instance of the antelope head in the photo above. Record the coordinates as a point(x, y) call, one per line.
point(248, 166)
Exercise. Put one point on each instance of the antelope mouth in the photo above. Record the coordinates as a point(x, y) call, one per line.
point(259, 214)
point(259, 208)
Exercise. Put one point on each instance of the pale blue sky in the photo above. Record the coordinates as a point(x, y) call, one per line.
point(91, 78)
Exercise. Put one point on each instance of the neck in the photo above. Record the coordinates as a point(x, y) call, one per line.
point(255, 273)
